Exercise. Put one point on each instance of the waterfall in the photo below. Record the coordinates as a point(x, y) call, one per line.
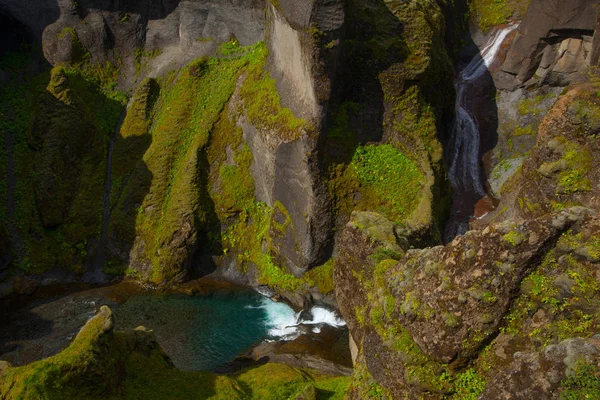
point(465, 169)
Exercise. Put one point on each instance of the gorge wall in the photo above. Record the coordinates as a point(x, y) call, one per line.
point(248, 187)
point(301, 145)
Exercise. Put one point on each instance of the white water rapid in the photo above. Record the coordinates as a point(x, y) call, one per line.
point(283, 322)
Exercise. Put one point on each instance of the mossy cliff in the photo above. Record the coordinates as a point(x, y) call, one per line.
point(104, 364)
point(431, 324)
point(393, 97)
point(57, 130)
point(563, 162)
point(209, 164)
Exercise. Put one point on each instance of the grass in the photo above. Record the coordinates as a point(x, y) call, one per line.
point(584, 383)
point(390, 182)
point(489, 13)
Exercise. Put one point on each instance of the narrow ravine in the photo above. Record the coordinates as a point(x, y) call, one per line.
point(465, 167)
point(95, 274)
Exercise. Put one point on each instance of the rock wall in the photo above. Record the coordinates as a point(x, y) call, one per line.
point(553, 45)
point(135, 34)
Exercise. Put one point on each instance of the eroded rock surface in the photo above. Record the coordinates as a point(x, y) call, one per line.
point(554, 42)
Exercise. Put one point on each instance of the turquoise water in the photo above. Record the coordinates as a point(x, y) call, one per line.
point(201, 333)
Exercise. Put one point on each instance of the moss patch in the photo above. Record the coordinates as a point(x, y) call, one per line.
point(489, 13)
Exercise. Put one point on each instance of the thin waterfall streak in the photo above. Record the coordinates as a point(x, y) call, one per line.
point(465, 169)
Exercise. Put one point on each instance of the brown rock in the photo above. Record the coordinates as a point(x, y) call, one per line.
point(24, 285)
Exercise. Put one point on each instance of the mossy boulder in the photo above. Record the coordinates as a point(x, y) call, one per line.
point(423, 318)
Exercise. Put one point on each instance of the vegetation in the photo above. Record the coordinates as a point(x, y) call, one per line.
point(262, 103)
point(102, 364)
point(391, 182)
point(572, 168)
point(489, 13)
point(584, 383)
point(57, 189)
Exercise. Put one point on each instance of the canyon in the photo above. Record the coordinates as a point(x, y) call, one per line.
point(414, 182)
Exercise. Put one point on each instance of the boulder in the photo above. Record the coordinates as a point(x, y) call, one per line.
point(437, 306)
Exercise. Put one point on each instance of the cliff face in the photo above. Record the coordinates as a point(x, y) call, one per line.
point(232, 162)
point(298, 145)
point(494, 313)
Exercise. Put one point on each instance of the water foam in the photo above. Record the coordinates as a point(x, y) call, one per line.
point(321, 315)
point(282, 322)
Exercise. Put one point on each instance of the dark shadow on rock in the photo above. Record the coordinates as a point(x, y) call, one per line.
point(149, 10)
point(14, 35)
point(209, 227)
point(131, 180)
point(28, 327)
point(372, 43)
point(41, 325)
point(35, 14)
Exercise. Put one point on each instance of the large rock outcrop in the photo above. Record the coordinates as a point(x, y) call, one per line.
point(137, 34)
point(430, 313)
point(553, 44)
point(561, 169)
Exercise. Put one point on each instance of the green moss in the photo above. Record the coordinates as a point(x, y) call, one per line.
point(573, 167)
point(365, 386)
point(321, 277)
point(468, 385)
point(64, 121)
point(190, 105)
point(390, 182)
point(104, 74)
point(489, 13)
point(514, 238)
point(560, 272)
point(583, 383)
point(383, 253)
point(528, 130)
point(533, 106)
point(262, 103)
point(416, 120)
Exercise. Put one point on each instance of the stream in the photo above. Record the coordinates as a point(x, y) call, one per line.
point(198, 332)
point(204, 332)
